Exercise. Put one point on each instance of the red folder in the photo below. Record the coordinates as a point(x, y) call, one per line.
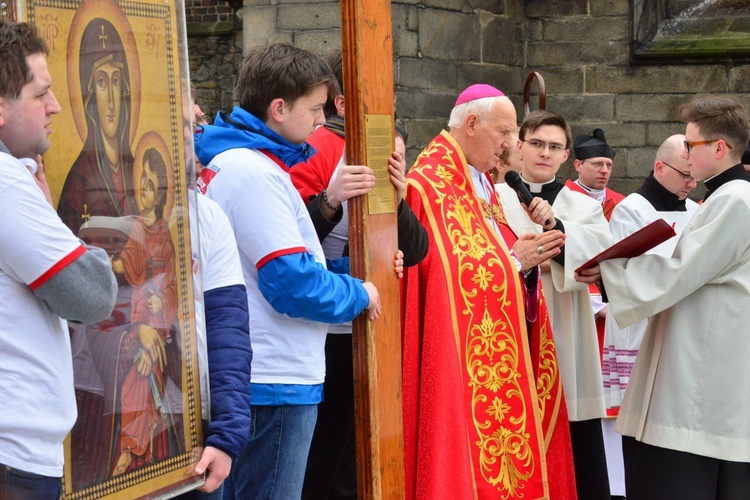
point(636, 244)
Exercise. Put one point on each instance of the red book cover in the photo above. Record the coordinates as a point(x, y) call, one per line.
point(634, 245)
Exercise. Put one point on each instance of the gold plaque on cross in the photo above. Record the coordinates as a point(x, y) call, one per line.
point(379, 145)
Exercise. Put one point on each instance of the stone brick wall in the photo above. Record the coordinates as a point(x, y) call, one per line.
point(635, 104)
point(215, 52)
point(581, 47)
point(214, 62)
point(208, 11)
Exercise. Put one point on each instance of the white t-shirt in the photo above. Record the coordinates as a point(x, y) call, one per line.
point(36, 369)
point(270, 220)
point(216, 266)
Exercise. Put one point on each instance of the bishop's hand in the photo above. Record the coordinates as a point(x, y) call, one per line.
point(533, 249)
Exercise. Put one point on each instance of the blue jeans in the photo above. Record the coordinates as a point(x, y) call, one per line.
point(20, 485)
point(272, 464)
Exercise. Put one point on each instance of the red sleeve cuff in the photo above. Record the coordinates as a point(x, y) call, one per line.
point(59, 266)
point(278, 253)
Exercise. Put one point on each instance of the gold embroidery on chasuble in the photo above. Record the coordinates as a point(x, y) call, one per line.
point(548, 383)
point(500, 393)
point(493, 212)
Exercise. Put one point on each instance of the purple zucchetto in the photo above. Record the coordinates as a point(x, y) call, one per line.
point(478, 91)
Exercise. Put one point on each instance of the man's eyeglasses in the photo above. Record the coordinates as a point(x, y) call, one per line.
point(554, 147)
point(691, 144)
point(685, 177)
point(601, 164)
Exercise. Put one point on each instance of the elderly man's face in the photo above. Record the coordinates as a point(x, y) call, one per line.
point(491, 135)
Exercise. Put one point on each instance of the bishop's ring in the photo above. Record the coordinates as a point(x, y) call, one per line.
point(540, 249)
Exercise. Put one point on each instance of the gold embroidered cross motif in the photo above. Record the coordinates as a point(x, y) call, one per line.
point(493, 212)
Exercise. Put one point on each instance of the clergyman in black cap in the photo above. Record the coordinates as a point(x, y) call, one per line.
point(594, 164)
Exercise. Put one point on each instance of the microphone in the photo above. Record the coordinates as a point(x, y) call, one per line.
point(514, 181)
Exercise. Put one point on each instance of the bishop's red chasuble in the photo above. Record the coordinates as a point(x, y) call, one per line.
point(483, 409)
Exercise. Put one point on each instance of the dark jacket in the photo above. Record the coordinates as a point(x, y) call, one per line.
point(229, 358)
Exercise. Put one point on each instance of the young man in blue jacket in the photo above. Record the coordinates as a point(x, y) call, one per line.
point(292, 296)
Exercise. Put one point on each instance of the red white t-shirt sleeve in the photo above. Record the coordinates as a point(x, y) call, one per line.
point(34, 243)
point(265, 216)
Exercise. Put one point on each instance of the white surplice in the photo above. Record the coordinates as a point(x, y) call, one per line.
point(621, 344)
point(568, 301)
point(688, 389)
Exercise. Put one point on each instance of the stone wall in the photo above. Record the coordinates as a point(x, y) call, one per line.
point(215, 52)
point(581, 47)
point(208, 11)
point(214, 62)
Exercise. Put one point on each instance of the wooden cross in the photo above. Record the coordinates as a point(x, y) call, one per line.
point(367, 46)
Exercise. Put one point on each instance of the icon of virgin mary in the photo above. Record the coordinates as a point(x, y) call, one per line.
point(100, 187)
point(100, 182)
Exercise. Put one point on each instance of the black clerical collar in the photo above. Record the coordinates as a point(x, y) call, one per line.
point(736, 172)
point(659, 197)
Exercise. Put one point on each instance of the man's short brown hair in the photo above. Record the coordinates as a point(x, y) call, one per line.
point(17, 42)
point(719, 117)
point(335, 60)
point(542, 117)
point(280, 71)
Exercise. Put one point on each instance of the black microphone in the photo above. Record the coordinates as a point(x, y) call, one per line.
point(514, 181)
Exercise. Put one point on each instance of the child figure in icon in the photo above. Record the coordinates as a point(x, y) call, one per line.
point(147, 264)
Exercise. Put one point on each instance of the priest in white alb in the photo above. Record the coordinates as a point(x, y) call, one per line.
point(687, 403)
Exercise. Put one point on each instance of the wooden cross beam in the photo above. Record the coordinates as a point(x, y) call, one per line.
point(367, 47)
